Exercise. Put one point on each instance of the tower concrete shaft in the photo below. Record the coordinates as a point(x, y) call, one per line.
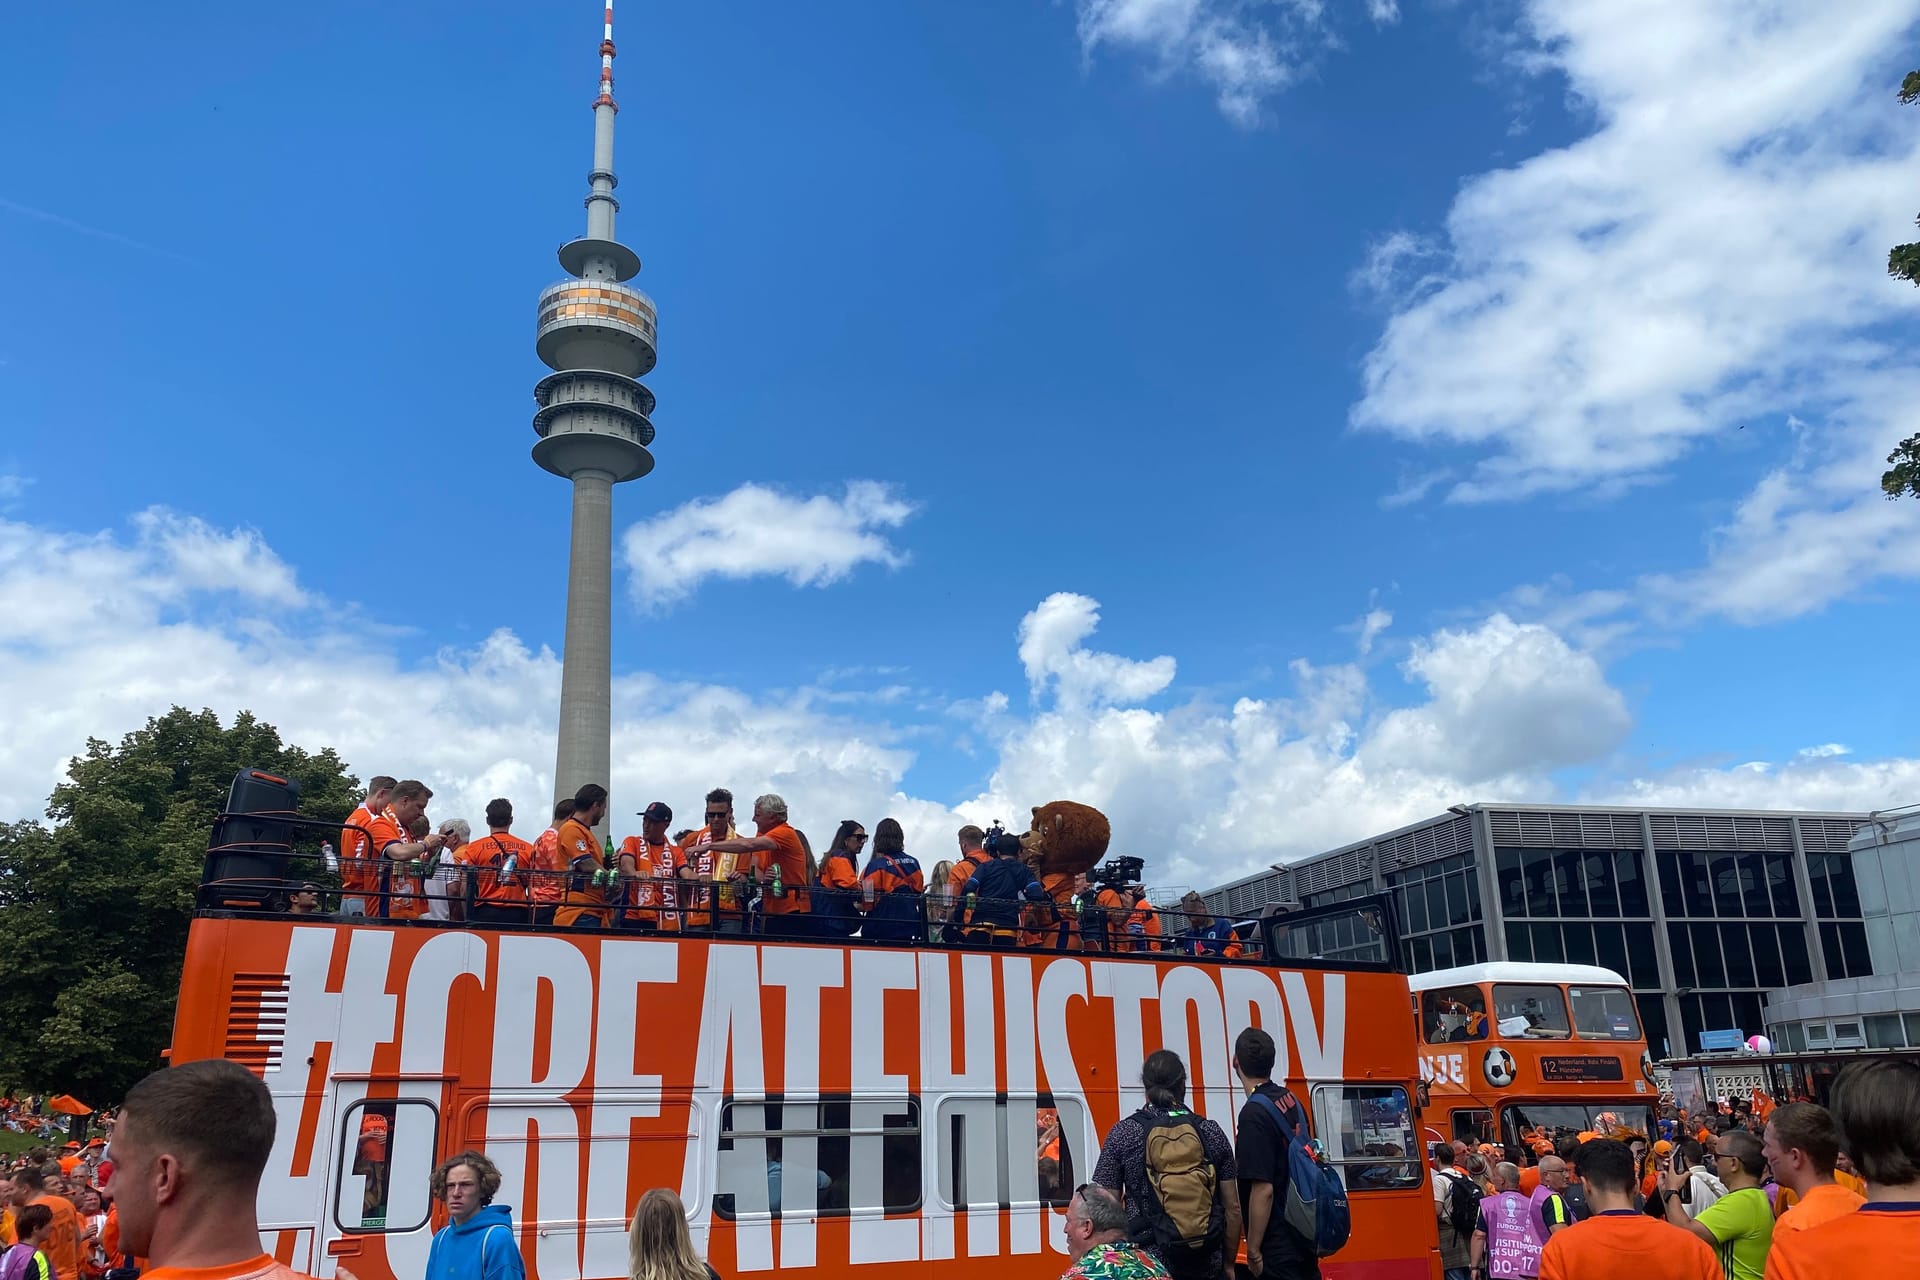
point(597, 335)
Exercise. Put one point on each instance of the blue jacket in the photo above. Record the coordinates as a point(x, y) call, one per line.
point(477, 1249)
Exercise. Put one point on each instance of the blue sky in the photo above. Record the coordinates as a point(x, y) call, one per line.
point(1555, 338)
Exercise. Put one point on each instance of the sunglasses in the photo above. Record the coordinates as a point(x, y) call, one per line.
point(714, 814)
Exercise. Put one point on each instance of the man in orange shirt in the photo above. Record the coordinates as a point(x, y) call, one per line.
point(393, 846)
point(707, 896)
point(777, 845)
point(973, 856)
point(359, 870)
point(188, 1154)
point(1876, 1107)
point(63, 1244)
point(1618, 1240)
point(1143, 922)
point(498, 863)
point(1801, 1145)
point(586, 902)
point(655, 896)
point(548, 883)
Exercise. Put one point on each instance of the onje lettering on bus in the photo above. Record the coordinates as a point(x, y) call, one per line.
point(555, 1043)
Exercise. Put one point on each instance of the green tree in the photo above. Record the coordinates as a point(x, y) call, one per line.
point(1903, 263)
point(94, 909)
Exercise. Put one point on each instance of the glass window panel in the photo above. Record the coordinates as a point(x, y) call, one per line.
point(1627, 880)
point(1546, 944)
point(1473, 896)
point(1822, 891)
point(1457, 899)
point(1780, 885)
point(1793, 953)
point(1443, 957)
point(1422, 953)
point(1506, 873)
point(1846, 891)
point(1745, 1012)
point(1642, 959)
point(1733, 947)
point(1519, 942)
point(1601, 896)
point(1682, 948)
point(1653, 1016)
point(1365, 1126)
point(384, 1169)
point(1603, 1013)
point(834, 1156)
point(1436, 894)
point(1691, 1024)
point(1883, 1031)
point(1696, 885)
point(1447, 1014)
point(1579, 940)
point(1853, 941)
point(1753, 885)
point(1610, 949)
point(1768, 971)
point(1830, 950)
point(1913, 1029)
point(1570, 879)
point(1472, 944)
point(1707, 967)
point(1725, 871)
point(1530, 1009)
point(1537, 867)
point(1670, 883)
point(1796, 1037)
point(1413, 910)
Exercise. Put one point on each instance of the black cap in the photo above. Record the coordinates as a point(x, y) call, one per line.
point(657, 812)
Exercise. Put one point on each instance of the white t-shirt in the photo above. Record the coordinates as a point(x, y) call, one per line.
point(439, 885)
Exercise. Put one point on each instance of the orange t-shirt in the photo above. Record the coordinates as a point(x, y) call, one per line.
point(359, 874)
point(260, 1268)
point(656, 898)
point(63, 1236)
point(963, 871)
point(407, 896)
point(1529, 1179)
point(589, 901)
point(1625, 1243)
point(487, 855)
point(791, 857)
point(547, 888)
point(1883, 1238)
point(7, 1237)
point(1821, 1205)
point(1787, 1197)
point(837, 872)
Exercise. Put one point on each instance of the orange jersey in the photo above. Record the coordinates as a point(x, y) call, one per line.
point(1819, 1206)
point(1882, 1238)
point(884, 875)
point(838, 872)
point(546, 888)
point(63, 1237)
point(791, 858)
point(260, 1268)
point(487, 855)
point(407, 896)
point(1787, 1197)
point(359, 874)
point(1627, 1243)
point(582, 898)
point(656, 898)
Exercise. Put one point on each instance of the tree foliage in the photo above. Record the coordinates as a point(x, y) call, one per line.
point(94, 909)
point(1903, 263)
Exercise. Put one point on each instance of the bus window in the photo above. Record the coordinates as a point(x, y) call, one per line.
point(817, 1159)
point(1530, 1009)
point(985, 1144)
point(1367, 1131)
point(1523, 1123)
point(1604, 1013)
point(1453, 1013)
point(1473, 1126)
point(386, 1162)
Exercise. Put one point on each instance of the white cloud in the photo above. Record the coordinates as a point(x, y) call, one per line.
point(1244, 53)
point(1713, 251)
point(1825, 751)
point(755, 531)
point(1206, 792)
point(1371, 627)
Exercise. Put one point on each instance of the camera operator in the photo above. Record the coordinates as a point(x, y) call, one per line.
point(1101, 913)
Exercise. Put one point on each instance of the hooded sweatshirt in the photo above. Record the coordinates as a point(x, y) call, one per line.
point(481, 1248)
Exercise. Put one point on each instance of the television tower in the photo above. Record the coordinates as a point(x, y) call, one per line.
point(597, 335)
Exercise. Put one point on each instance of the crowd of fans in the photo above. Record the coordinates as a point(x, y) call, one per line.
point(394, 862)
point(55, 1197)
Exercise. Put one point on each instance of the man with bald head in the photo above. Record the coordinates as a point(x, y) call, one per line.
point(1511, 1234)
point(1549, 1199)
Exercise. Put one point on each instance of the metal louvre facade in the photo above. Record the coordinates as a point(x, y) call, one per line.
point(1702, 910)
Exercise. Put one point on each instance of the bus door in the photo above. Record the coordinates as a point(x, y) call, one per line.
point(386, 1143)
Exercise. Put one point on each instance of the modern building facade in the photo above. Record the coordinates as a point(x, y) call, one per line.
point(1704, 911)
point(1880, 1008)
point(596, 333)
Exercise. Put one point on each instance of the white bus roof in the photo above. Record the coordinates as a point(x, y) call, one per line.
point(1515, 971)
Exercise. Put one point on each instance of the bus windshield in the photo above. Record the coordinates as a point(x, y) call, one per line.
point(1604, 1013)
point(1522, 1121)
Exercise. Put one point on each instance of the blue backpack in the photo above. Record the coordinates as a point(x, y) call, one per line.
point(1316, 1200)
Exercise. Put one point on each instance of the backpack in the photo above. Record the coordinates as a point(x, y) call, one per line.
point(1462, 1204)
point(1178, 1225)
point(899, 915)
point(833, 911)
point(1316, 1205)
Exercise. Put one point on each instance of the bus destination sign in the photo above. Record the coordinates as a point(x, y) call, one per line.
point(1580, 1068)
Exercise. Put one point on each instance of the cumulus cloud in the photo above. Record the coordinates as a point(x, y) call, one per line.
point(159, 614)
point(1244, 53)
point(756, 531)
point(1713, 250)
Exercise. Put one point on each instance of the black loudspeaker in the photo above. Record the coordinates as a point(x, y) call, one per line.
point(252, 843)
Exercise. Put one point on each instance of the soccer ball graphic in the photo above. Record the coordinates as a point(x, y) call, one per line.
point(1498, 1067)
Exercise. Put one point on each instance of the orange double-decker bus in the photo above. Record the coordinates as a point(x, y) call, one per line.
point(1525, 1055)
point(822, 1107)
